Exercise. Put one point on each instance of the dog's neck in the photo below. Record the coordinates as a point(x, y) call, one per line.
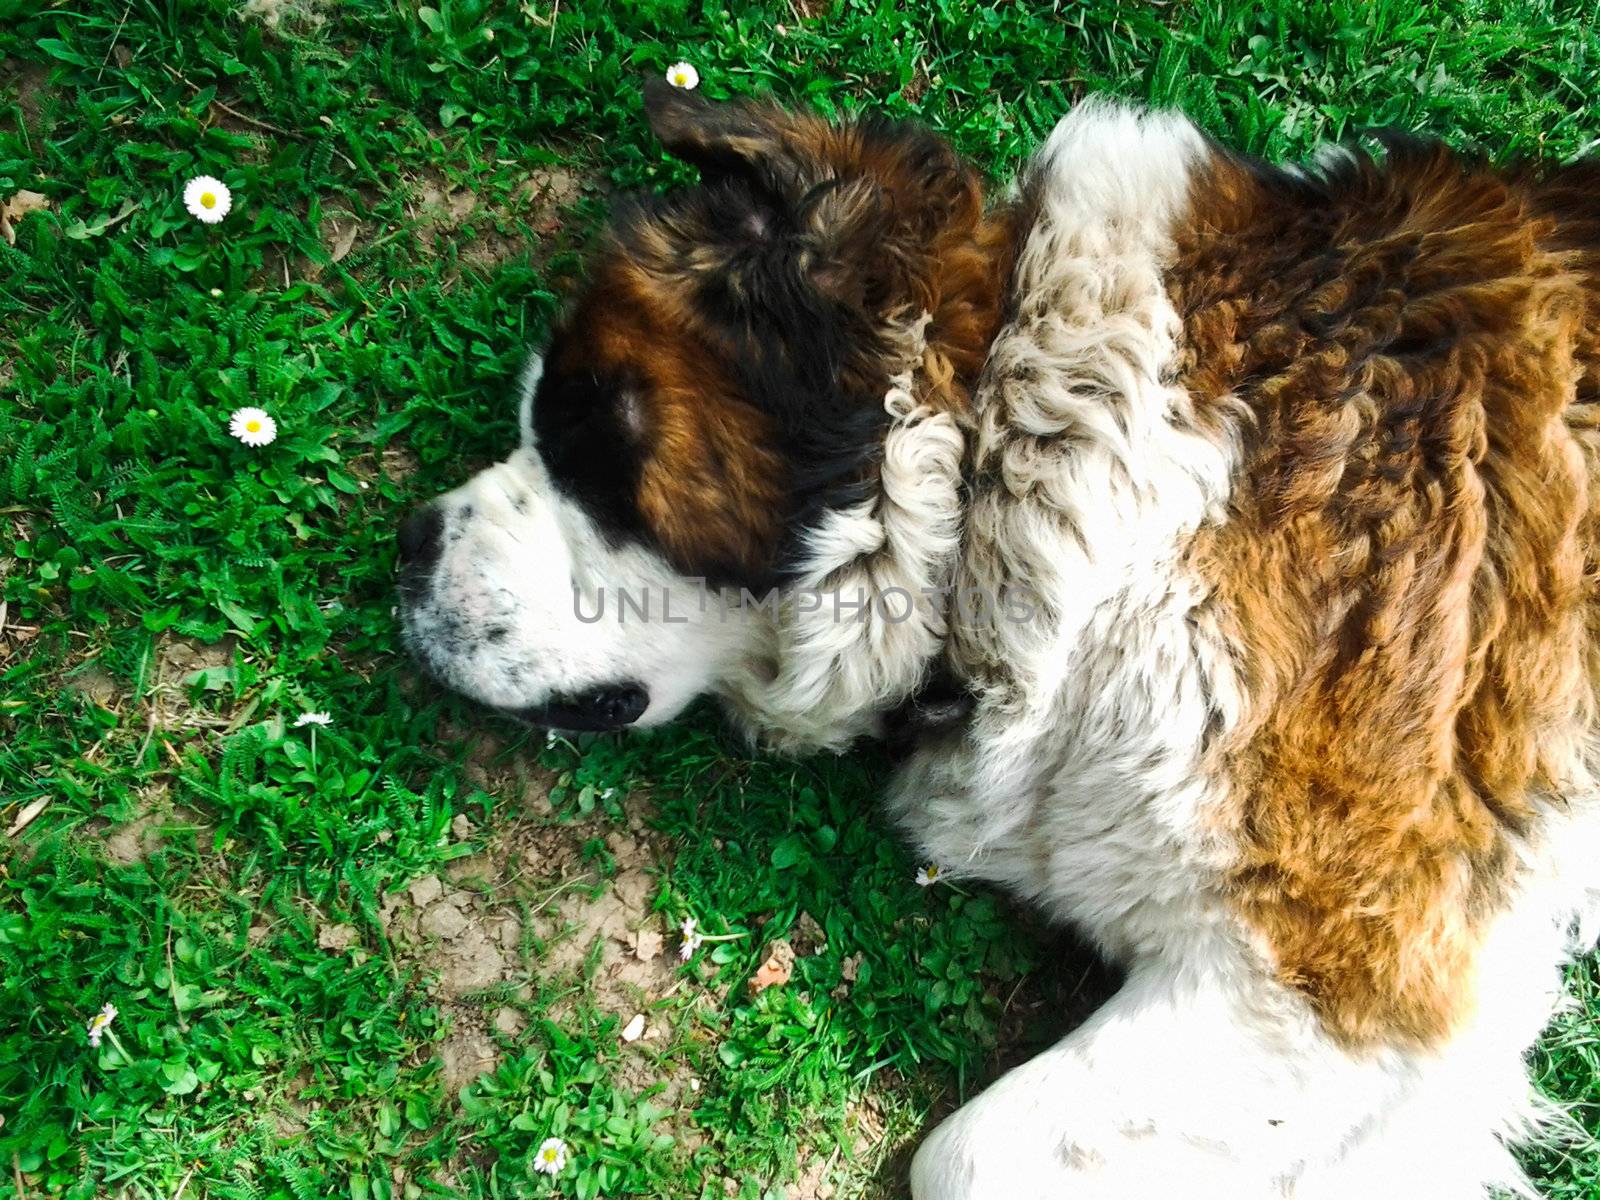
point(865, 621)
point(972, 279)
point(867, 660)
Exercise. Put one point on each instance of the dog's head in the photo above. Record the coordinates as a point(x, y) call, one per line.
point(705, 415)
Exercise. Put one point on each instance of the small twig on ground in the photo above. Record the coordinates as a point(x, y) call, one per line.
point(16, 1173)
point(564, 886)
point(149, 732)
point(178, 1195)
point(115, 37)
point(230, 110)
point(1006, 1007)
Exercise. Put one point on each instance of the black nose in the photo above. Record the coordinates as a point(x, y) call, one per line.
point(419, 538)
point(591, 712)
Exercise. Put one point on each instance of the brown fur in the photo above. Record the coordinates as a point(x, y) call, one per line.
point(889, 224)
point(708, 488)
point(1404, 569)
point(1411, 352)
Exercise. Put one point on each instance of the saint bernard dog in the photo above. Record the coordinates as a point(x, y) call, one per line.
point(1296, 471)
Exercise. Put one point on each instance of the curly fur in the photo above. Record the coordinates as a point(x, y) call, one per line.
point(1297, 471)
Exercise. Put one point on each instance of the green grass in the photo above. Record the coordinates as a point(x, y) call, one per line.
point(173, 600)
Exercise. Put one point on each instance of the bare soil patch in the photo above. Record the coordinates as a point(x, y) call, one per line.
point(27, 82)
point(487, 230)
point(181, 665)
point(528, 920)
point(156, 818)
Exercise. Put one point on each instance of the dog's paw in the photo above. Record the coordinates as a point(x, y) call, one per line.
point(994, 1149)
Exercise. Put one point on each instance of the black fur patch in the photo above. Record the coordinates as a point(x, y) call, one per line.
point(581, 434)
point(784, 341)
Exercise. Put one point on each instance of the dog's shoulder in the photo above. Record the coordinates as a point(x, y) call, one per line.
point(1297, 457)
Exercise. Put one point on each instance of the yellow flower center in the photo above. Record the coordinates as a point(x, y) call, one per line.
point(253, 426)
point(679, 77)
point(208, 199)
point(550, 1155)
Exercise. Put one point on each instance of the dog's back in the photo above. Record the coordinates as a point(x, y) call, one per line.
point(1407, 560)
point(1303, 465)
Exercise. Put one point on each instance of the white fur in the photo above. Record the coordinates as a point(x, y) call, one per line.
point(527, 388)
point(1084, 783)
point(1093, 478)
point(867, 612)
point(1083, 780)
point(529, 562)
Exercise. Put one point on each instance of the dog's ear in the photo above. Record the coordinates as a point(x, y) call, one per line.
point(845, 227)
point(869, 199)
point(737, 137)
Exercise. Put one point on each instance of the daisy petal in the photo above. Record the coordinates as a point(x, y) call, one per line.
point(207, 199)
point(550, 1157)
point(100, 1022)
point(692, 938)
point(253, 427)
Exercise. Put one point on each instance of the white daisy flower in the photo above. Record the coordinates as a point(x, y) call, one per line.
point(551, 1156)
point(692, 939)
point(216, 293)
point(313, 718)
point(208, 200)
point(100, 1023)
point(928, 875)
point(682, 75)
point(253, 427)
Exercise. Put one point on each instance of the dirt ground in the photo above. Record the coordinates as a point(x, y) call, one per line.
point(527, 912)
point(528, 909)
